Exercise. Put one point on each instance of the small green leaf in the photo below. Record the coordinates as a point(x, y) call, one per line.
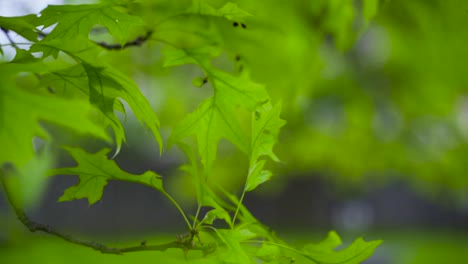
point(257, 176)
point(95, 170)
point(214, 214)
point(266, 123)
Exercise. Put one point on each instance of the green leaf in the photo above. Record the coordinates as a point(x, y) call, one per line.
point(95, 170)
point(217, 213)
point(21, 111)
point(77, 21)
point(325, 253)
point(215, 118)
point(266, 123)
point(257, 176)
point(211, 121)
point(106, 85)
point(205, 196)
point(232, 238)
point(22, 25)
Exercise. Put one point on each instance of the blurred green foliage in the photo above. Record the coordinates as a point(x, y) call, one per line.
point(369, 88)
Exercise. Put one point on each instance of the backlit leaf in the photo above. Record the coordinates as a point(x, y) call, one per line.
point(74, 21)
point(21, 111)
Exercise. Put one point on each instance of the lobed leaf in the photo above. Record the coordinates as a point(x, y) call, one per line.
point(324, 252)
point(215, 118)
point(266, 123)
point(95, 170)
point(76, 21)
point(103, 85)
point(21, 112)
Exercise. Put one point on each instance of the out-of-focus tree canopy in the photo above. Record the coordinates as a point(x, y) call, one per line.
point(368, 87)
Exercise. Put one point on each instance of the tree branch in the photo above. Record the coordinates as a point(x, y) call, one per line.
point(140, 40)
point(33, 226)
point(6, 31)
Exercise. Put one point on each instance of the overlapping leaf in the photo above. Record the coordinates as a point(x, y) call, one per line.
point(205, 196)
point(104, 85)
point(95, 170)
point(76, 21)
point(22, 25)
point(215, 118)
point(21, 111)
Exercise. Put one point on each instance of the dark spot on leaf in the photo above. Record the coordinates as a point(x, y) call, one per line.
point(50, 89)
point(244, 26)
point(257, 115)
point(237, 57)
point(8, 167)
point(235, 24)
point(143, 243)
point(205, 80)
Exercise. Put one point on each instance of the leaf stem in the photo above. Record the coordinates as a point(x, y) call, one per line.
point(237, 209)
point(179, 208)
point(194, 225)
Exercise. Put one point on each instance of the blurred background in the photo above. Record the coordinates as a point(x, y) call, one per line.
point(375, 95)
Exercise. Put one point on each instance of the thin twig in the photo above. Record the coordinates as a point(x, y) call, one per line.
point(35, 226)
point(140, 40)
point(6, 31)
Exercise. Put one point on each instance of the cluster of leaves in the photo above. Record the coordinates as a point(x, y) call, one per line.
point(72, 88)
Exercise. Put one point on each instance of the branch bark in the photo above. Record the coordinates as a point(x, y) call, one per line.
point(140, 40)
point(185, 245)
